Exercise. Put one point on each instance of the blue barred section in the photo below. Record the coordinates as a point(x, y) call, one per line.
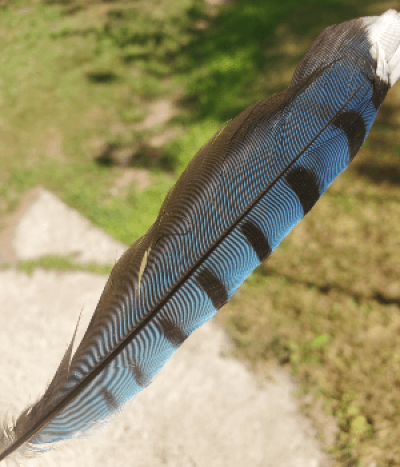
point(241, 195)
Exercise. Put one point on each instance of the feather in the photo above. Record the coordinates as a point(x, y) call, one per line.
point(235, 202)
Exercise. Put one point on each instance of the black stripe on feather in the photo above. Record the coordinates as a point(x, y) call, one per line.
point(255, 236)
point(305, 184)
point(172, 332)
point(213, 287)
point(353, 125)
point(109, 399)
point(139, 375)
point(380, 89)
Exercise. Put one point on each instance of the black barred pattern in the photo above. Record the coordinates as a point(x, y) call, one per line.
point(305, 184)
point(213, 287)
point(255, 236)
point(172, 332)
point(109, 399)
point(380, 89)
point(353, 125)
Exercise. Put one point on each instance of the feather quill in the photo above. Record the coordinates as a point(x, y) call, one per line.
point(235, 202)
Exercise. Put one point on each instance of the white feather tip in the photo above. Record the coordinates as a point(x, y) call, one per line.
point(384, 36)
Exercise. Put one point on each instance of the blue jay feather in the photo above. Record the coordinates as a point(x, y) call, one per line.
point(235, 202)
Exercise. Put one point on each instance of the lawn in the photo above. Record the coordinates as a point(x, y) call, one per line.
point(105, 103)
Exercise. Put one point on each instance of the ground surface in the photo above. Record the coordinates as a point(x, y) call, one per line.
point(205, 409)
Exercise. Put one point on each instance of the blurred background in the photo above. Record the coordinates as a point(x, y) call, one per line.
point(105, 102)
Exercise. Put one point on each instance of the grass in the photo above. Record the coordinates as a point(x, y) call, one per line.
point(77, 81)
point(61, 263)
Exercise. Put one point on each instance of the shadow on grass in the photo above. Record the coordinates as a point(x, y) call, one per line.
point(139, 156)
point(327, 288)
point(229, 64)
point(102, 77)
point(73, 32)
point(377, 173)
point(383, 165)
point(225, 61)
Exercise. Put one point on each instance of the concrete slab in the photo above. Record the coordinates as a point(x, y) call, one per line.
point(49, 227)
point(204, 409)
